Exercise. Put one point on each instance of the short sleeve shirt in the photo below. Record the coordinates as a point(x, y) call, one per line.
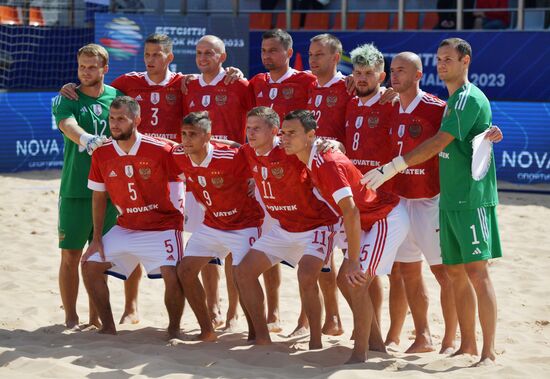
point(92, 115)
point(468, 113)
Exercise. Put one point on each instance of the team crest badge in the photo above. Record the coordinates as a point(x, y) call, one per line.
point(205, 100)
point(221, 99)
point(129, 171)
point(171, 98)
point(401, 131)
point(359, 122)
point(202, 180)
point(415, 130)
point(277, 172)
point(145, 172)
point(98, 110)
point(288, 92)
point(217, 181)
point(332, 100)
point(373, 121)
point(265, 173)
point(155, 97)
point(318, 100)
point(273, 93)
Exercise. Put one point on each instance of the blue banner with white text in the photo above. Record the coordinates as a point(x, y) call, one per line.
point(123, 35)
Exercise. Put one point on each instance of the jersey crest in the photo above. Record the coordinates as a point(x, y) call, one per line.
point(401, 131)
point(318, 100)
point(217, 181)
point(273, 93)
point(288, 92)
point(205, 100)
point(129, 171)
point(415, 130)
point(278, 172)
point(155, 97)
point(221, 99)
point(145, 172)
point(202, 180)
point(332, 100)
point(373, 121)
point(265, 173)
point(98, 110)
point(359, 122)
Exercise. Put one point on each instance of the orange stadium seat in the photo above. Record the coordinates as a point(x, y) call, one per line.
point(281, 21)
point(380, 21)
point(352, 19)
point(35, 17)
point(410, 22)
point(317, 21)
point(9, 16)
point(430, 20)
point(261, 20)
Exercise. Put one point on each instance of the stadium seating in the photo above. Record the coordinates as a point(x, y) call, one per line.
point(377, 21)
point(261, 21)
point(352, 21)
point(429, 20)
point(35, 17)
point(9, 15)
point(317, 21)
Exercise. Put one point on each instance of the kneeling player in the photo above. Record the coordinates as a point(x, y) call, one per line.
point(133, 170)
point(218, 177)
point(375, 222)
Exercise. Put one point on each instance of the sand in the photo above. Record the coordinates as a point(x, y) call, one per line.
point(33, 342)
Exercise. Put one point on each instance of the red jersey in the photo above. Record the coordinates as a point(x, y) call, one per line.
point(287, 191)
point(220, 183)
point(337, 178)
point(287, 94)
point(412, 126)
point(328, 103)
point(227, 105)
point(368, 141)
point(161, 110)
point(137, 183)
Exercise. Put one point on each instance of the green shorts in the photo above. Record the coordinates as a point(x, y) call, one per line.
point(469, 235)
point(75, 225)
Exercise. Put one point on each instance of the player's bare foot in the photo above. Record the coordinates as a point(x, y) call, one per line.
point(300, 330)
point(447, 349)
point(274, 327)
point(420, 345)
point(262, 341)
point(90, 327)
point(72, 323)
point(315, 345)
point(485, 362)
point(231, 325)
point(465, 350)
point(332, 327)
point(356, 358)
point(108, 330)
point(207, 337)
point(379, 347)
point(129, 318)
point(173, 333)
point(392, 346)
point(217, 322)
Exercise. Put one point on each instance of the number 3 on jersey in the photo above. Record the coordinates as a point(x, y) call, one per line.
point(154, 116)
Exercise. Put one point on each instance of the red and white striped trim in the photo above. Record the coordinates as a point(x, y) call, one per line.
point(379, 245)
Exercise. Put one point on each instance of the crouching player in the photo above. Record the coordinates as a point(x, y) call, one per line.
point(218, 176)
point(133, 170)
point(375, 223)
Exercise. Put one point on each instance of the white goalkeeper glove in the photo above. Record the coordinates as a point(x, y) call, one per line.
point(91, 142)
point(378, 176)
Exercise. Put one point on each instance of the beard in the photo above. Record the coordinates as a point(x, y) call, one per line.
point(90, 83)
point(123, 136)
point(364, 92)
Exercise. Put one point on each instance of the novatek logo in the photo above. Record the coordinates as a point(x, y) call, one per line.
point(444, 155)
point(145, 208)
point(225, 214)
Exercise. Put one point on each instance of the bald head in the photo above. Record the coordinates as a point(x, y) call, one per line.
point(406, 72)
point(409, 58)
point(214, 42)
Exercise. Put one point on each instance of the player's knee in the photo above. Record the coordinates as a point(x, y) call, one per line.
point(70, 259)
point(307, 279)
point(441, 275)
point(342, 282)
point(478, 274)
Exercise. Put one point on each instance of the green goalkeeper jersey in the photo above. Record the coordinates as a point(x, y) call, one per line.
point(468, 114)
point(92, 115)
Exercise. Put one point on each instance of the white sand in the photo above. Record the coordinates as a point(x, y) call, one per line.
point(33, 342)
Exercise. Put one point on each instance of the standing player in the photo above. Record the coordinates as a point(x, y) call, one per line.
point(417, 119)
point(133, 170)
point(218, 176)
point(469, 231)
point(158, 92)
point(84, 123)
point(226, 105)
point(303, 233)
point(375, 223)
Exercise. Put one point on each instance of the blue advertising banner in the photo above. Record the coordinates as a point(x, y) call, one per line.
point(31, 141)
point(124, 36)
point(505, 65)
